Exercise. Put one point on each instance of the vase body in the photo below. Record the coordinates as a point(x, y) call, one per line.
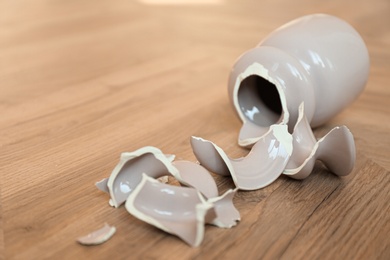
point(316, 59)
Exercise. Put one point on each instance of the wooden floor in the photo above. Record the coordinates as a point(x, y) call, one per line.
point(83, 81)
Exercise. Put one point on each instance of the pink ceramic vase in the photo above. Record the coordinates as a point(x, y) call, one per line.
point(316, 59)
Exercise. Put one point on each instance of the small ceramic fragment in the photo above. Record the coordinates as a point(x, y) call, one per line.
point(196, 176)
point(180, 211)
point(98, 237)
point(336, 150)
point(128, 173)
point(263, 164)
point(227, 215)
point(102, 185)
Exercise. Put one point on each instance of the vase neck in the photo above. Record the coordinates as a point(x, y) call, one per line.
point(267, 86)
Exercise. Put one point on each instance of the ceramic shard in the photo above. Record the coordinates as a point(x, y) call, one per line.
point(180, 211)
point(336, 150)
point(128, 173)
point(250, 133)
point(98, 237)
point(303, 141)
point(263, 164)
point(227, 215)
point(102, 185)
point(196, 176)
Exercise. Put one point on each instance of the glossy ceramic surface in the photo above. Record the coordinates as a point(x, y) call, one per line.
point(336, 150)
point(263, 164)
point(227, 214)
point(102, 185)
point(128, 173)
point(152, 162)
point(180, 211)
point(317, 59)
point(196, 176)
point(98, 237)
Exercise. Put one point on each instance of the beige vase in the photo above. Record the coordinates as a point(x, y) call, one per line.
point(316, 59)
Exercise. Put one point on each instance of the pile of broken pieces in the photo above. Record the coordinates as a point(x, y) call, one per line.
point(140, 179)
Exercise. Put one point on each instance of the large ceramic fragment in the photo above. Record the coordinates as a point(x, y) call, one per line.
point(336, 150)
point(97, 237)
point(196, 176)
point(103, 183)
point(263, 164)
point(180, 211)
point(128, 172)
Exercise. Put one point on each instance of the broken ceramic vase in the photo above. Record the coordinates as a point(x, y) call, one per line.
point(316, 59)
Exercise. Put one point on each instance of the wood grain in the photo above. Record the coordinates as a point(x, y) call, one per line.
point(83, 81)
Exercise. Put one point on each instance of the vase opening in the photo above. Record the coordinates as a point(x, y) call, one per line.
point(259, 101)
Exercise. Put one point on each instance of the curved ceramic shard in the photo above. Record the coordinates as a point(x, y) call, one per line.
point(180, 211)
point(128, 173)
point(102, 185)
point(211, 156)
point(303, 140)
point(227, 215)
point(196, 176)
point(336, 150)
point(263, 164)
point(98, 237)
